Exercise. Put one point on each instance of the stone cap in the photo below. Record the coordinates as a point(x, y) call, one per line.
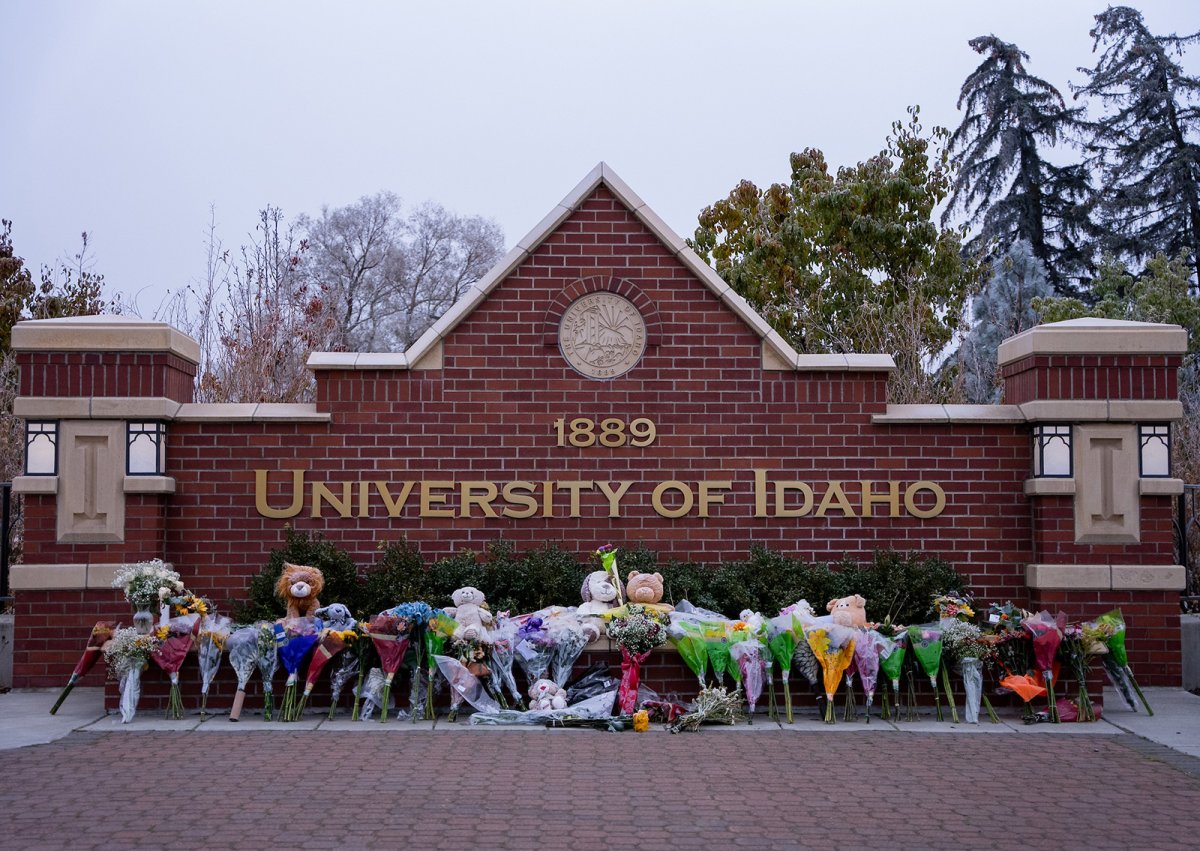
point(1090, 336)
point(103, 334)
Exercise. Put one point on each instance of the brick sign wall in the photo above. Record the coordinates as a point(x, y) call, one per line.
point(509, 419)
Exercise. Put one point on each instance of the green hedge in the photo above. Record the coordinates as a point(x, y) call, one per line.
point(896, 585)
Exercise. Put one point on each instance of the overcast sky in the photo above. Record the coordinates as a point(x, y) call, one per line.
point(129, 119)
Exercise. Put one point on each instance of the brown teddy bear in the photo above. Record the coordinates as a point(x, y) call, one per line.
point(849, 611)
point(298, 587)
point(645, 589)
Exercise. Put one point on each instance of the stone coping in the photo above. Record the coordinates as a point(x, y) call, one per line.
point(63, 577)
point(1106, 577)
point(1065, 410)
point(103, 334)
point(1091, 336)
point(162, 408)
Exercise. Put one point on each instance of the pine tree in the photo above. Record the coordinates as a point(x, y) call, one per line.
point(1003, 309)
point(1146, 145)
point(1005, 185)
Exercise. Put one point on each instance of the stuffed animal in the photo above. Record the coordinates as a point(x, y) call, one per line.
point(849, 611)
point(337, 617)
point(471, 612)
point(599, 595)
point(298, 587)
point(647, 589)
point(546, 694)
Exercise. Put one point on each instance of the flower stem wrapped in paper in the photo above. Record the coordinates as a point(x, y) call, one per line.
point(176, 640)
point(1116, 662)
point(867, 648)
point(418, 614)
point(101, 633)
point(636, 634)
point(242, 646)
point(833, 647)
point(214, 635)
point(438, 630)
point(1046, 634)
point(1027, 688)
point(781, 641)
point(330, 644)
point(296, 637)
point(962, 645)
point(748, 656)
point(390, 634)
point(126, 655)
point(1072, 649)
point(891, 664)
point(926, 643)
point(268, 664)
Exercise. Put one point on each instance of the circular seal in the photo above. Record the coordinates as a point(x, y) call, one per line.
point(602, 335)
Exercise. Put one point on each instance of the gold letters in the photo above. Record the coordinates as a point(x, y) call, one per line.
point(519, 500)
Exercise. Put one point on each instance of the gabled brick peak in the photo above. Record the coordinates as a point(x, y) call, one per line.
point(602, 174)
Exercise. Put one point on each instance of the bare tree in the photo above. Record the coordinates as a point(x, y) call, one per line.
point(387, 276)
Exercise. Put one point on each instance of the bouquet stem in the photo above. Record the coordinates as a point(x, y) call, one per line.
point(62, 695)
point(830, 715)
point(174, 700)
point(268, 705)
point(362, 668)
point(884, 707)
point(387, 693)
point(1049, 677)
point(990, 711)
point(787, 698)
point(850, 710)
point(912, 698)
point(1137, 688)
point(949, 693)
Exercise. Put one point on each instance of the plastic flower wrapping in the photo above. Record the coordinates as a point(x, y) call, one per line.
point(1046, 634)
point(569, 641)
point(501, 655)
point(101, 633)
point(147, 585)
point(534, 648)
point(687, 637)
point(175, 641)
point(210, 646)
point(330, 644)
point(349, 665)
point(1116, 661)
point(390, 633)
point(126, 656)
point(295, 637)
point(891, 665)
point(268, 664)
point(636, 634)
point(464, 685)
point(833, 647)
point(748, 656)
point(1073, 652)
point(242, 646)
point(867, 648)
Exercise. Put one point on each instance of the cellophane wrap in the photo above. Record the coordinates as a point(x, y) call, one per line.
point(502, 654)
point(268, 664)
point(972, 677)
point(243, 658)
point(748, 656)
point(464, 685)
point(569, 641)
point(534, 649)
point(214, 637)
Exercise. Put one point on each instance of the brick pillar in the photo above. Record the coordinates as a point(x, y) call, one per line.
point(1102, 525)
point(87, 379)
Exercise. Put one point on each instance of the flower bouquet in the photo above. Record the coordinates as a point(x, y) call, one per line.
point(214, 634)
point(295, 637)
point(390, 634)
point(148, 585)
point(418, 614)
point(101, 632)
point(175, 641)
point(963, 644)
point(926, 643)
point(464, 685)
point(833, 647)
point(348, 668)
point(687, 637)
point(891, 663)
point(268, 664)
point(126, 655)
point(471, 653)
point(1046, 634)
point(330, 643)
point(781, 642)
point(712, 706)
point(608, 561)
point(534, 649)
point(242, 646)
point(636, 634)
point(567, 632)
point(438, 630)
point(1116, 662)
point(748, 656)
point(1027, 688)
point(866, 658)
point(716, 646)
point(501, 655)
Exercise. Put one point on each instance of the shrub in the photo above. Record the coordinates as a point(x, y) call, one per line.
point(341, 576)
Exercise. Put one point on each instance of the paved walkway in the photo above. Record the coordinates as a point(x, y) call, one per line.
point(361, 786)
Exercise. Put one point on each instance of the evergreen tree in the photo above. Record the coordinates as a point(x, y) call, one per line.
point(1003, 309)
point(1006, 187)
point(1146, 145)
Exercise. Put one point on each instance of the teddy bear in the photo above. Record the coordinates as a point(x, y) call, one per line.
point(337, 617)
point(646, 589)
point(471, 612)
point(298, 587)
point(546, 694)
point(848, 611)
point(599, 595)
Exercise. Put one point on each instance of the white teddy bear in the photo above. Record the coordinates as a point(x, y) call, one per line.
point(546, 694)
point(470, 610)
point(599, 595)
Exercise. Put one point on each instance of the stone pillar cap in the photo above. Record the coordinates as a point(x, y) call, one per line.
point(103, 334)
point(1090, 336)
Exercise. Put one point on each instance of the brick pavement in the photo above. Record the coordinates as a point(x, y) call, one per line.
point(505, 788)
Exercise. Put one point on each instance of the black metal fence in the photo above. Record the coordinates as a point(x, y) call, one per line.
point(1187, 545)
